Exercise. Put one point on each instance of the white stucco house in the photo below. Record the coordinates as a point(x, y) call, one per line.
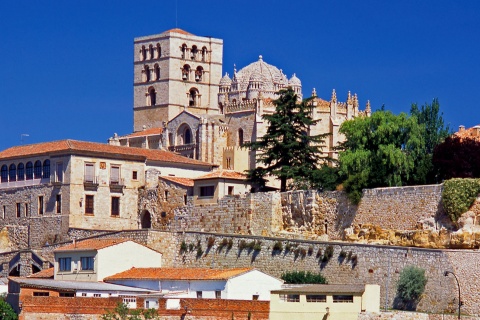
point(232, 284)
point(96, 259)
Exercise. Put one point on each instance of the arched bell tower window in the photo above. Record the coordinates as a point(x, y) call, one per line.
point(159, 51)
point(184, 51)
point(184, 135)
point(193, 98)
point(194, 53)
point(204, 54)
point(151, 97)
point(240, 137)
point(186, 72)
point(199, 74)
point(157, 72)
point(146, 74)
point(143, 53)
point(150, 51)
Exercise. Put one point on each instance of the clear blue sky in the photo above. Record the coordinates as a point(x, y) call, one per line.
point(66, 67)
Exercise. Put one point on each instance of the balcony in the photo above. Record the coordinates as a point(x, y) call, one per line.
point(117, 185)
point(182, 148)
point(90, 183)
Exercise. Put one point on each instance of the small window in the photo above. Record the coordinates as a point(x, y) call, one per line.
point(255, 297)
point(166, 195)
point(19, 206)
point(114, 174)
point(230, 190)
point(41, 294)
point(199, 294)
point(58, 203)
point(185, 199)
point(26, 209)
point(207, 191)
point(40, 205)
point(89, 172)
point(89, 204)
point(65, 264)
point(86, 263)
point(151, 97)
point(151, 304)
point(218, 294)
point(84, 294)
point(316, 298)
point(66, 294)
point(290, 297)
point(97, 295)
point(134, 175)
point(59, 172)
point(4, 212)
point(115, 210)
point(342, 299)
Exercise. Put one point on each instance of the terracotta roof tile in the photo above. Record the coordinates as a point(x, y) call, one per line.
point(183, 181)
point(223, 174)
point(91, 244)
point(178, 274)
point(472, 133)
point(177, 30)
point(45, 273)
point(75, 146)
point(146, 132)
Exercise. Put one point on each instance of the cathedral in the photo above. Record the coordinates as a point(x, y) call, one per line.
point(183, 104)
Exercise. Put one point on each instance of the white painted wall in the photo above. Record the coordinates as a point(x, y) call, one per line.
point(252, 283)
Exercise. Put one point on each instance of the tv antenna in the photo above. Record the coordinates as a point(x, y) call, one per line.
point(22, 136)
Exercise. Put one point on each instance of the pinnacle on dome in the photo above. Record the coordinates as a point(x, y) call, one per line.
point(294, 81)
point(225, 81)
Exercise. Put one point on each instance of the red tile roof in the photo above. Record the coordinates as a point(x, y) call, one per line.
point(223, 174)
point(472, 133)
point(146, 132)
point(177, 30)
point(45, 273)
point(102, 149)
point(183, 181)
point(178, 274)
point(91, 244)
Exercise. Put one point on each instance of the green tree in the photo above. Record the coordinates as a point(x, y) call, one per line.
point(287, 150)
point(410, 287)
point(122, 312)
point(383, 150)
point(436, 132)
point(302, 277)
point(6, 311)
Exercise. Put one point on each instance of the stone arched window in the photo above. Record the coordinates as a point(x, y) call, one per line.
point(204, 54)
point(4, 172)
point(194, 53)
point(184, 135)
point(146, 74)
point(151, 97)
point(21, 172)
point(184, 51)
point(46, 169)
point(143, 53)
point(199, 74)
point(29, 170)
point(12, 172)
point(186, 72)
point(150, 52)
point(156, 71)
point(37, 170)
point(159, 51)
point(193, 98)
point(240, 137)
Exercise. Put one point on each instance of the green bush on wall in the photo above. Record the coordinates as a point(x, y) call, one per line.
point(458, 195)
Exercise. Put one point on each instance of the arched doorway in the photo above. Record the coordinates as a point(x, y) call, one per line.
point(146, 220)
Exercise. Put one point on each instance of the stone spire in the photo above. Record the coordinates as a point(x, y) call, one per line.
point(314, 93)
point(349, 98)
point(368, 110)
point(334, 96)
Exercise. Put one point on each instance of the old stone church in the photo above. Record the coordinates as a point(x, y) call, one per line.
point(183, 104)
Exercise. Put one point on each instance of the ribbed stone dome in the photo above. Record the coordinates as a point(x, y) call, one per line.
point(225, 81)
point(271, 77)
point(294, 81)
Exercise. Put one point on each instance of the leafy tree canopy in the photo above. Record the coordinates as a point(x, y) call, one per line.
point(302, 277)
point(383, 150)
point(410, 286)
point(457, 158)
point(6, 311)
point(122, 312)
point(287, 150)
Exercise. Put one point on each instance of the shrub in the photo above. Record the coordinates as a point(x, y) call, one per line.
point(319, 253)
point(199, 251)
point(242, 244)
point(343, 254)
point(302, 277)
point(278, 246)
point(6, 311)
point(210, 242)
point(410, 286)
point(191, 246)
point(251, 245)
point(183, 247)
point(257, 246)
point(458, 195)
point(328, 254)
point(310, 250)
point(230, 244)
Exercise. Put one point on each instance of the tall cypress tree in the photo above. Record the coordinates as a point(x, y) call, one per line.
point(287, 150)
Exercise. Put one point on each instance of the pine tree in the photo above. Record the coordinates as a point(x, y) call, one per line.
point(287, 150)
